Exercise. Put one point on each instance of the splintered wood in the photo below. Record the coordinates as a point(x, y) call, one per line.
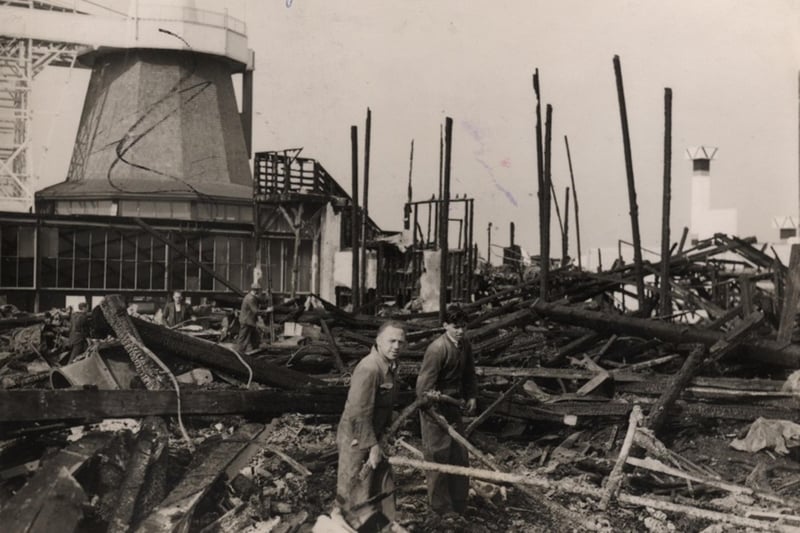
point(559, 378)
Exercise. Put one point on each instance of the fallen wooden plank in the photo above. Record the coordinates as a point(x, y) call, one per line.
point(79, 404)
point(481, 418)
point(147, 457)
point(734, 337)
point(22, 510)
point(214, 356)
point(659, 411)
point(56, 509)
point(559, 513)
point(615, 478)
point(573, 488)
point(654, 465)
point(762, 351)
point(556, 411)
point(790, 301)
point(175, 512)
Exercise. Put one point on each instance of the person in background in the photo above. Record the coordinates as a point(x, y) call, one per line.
point(249, 337)
point(78, 332)
point(367, 414)
point(177, 311)
point(447, 369)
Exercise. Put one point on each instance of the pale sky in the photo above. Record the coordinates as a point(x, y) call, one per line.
point(732, 65)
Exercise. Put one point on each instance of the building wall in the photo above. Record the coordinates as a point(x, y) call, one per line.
point(330, 237)
point(705, 220)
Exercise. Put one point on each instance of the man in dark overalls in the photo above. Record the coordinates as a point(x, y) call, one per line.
point(249, 337)
point(367, 414)
point(447, 368)
point(78, 331)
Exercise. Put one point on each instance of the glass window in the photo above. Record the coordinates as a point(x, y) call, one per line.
point(66, 244)
point(64, 272)
point(82, 273)
point(8, 241)
point(27, 239)
point(82, 244)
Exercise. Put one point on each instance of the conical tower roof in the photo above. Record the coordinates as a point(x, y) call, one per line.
point(158, 124)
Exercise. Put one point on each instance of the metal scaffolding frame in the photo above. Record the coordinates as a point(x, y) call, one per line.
point(21, 59)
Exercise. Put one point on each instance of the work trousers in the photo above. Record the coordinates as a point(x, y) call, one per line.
point(352, 491)
point(248, 339)
point(446, 492)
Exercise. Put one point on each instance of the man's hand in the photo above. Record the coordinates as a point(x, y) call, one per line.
point(433, 395)
point(471, 407)
point(375, 456)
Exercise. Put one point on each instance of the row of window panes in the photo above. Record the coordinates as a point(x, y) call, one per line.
point(17, 256)
point(109, 259)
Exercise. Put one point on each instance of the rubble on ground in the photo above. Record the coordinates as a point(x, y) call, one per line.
point(247, 443)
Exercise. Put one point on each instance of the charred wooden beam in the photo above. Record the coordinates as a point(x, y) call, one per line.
point(175, 512)
point(664, 294)
point(634, 209)
point(218, 357)
point(789, 310)
point(116, 314)
point(83, 404)
point(658, 412)
point(30, 509)
point(762, 351)
point(146, 461)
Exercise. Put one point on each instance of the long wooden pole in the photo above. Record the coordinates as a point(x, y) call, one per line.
point(615, 477)
point(354, 226)
point(444, 215)
point(365, 207)
point(664, 296)
point(489, 244)
point(540, 178)
point(634, 209)
point(574, 201)
point(407, 224)
point(545, 252)
point(554, 199)
point(565, 233)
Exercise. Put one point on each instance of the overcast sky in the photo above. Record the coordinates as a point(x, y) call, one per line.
point(732, 65)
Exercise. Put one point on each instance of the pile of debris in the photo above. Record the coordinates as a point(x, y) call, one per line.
point(594, 414)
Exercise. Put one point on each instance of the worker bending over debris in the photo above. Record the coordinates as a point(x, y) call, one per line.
point(249, 338)
point(365, 494)
point(447, 373)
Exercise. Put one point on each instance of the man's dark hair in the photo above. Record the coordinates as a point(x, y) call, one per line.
point(456, 315)
point(391, 324)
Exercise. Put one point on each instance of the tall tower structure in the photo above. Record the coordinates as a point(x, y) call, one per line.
point(705, 220)
point(160, 132)
point(22, 57)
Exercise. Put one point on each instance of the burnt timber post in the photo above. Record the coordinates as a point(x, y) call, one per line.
point(545, 252)
point(574, 201)
point(355, 291)
point(664, 296)
point(444, 213)
point(634, 209)
point(365, 206)
point(540, 184)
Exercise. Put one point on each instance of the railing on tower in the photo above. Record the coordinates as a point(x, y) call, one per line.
point(281, 172)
